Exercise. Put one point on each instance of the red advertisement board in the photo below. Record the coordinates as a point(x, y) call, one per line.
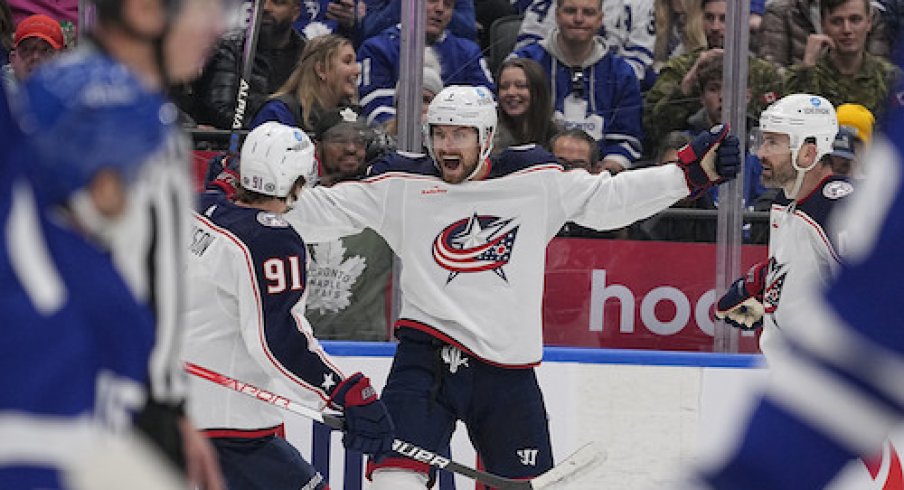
point(634, 294)
point(623, 293)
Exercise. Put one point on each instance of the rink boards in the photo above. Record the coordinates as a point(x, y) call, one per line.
point(652, 411)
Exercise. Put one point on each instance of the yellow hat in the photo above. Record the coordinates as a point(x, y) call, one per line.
point(858, 118)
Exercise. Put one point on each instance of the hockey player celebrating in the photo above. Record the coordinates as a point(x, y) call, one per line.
point(840, 395)
point(472, 233)
point(795, 134)
point(246, 307)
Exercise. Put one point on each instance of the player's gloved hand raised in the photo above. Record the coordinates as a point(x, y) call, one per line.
point(222, 175)
point(711, 158)
point(368, 427)
point(742, 305)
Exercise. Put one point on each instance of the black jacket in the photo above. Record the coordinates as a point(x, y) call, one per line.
point(218, 85)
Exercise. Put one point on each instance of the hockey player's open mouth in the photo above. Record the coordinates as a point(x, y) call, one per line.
point(451, 162)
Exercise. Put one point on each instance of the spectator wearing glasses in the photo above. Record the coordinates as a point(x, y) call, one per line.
point(347, 276)
point(38, 38)
point(575, 149)
point(592, 88)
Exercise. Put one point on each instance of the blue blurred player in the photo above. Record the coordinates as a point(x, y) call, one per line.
point(75, 343)
point(111, 164)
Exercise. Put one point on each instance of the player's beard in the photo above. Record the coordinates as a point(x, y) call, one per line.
point(780, 175)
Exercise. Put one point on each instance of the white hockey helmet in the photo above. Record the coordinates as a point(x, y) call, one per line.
point(460, 105)
point(274, 156)
point(802, 117)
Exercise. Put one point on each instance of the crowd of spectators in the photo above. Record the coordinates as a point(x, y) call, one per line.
point(606, 85)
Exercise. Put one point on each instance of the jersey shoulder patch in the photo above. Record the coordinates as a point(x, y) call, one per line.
point(271, 220)
point(837, 189)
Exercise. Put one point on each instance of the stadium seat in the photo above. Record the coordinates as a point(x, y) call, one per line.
point(503, 34)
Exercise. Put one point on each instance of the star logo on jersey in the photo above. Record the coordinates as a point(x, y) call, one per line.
point(328, 382)
point(476, 244)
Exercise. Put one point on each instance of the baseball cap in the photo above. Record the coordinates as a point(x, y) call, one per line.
point(344, 121)
point(858, 118)
point(843, 146)
point(42, 27)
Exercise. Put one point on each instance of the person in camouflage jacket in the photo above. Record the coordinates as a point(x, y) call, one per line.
point(787, 23)
point(676, 96)
point(836, 65)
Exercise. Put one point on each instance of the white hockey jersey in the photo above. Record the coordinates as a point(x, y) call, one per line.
point(801, 251)
point(247, 269)
point(473, 254)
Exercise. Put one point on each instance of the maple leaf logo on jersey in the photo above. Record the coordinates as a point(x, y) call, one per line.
point(331, 276)
point(476, 244)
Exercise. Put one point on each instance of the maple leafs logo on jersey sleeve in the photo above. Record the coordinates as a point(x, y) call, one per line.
point(476, 244)
point(331, 276)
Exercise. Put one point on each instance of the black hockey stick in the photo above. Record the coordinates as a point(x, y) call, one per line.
point(241, 96)
point(584, 459)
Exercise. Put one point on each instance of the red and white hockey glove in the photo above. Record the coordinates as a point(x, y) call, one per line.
point(368, 427)
point(711, 158)
point(742, 305)
point(223, 175)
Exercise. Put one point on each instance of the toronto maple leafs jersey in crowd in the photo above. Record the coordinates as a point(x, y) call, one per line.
point(461, 61)
point(601, 97)
point(840, 393)
point(245, 315)
point(629, 28)
point(803, 253)
point(74, 344)
point(473, 254)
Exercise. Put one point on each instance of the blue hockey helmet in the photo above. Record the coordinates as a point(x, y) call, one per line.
point(83, 115)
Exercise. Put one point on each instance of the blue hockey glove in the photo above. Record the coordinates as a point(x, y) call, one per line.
point(711, 158)
point(742, 305)
point(368, 427)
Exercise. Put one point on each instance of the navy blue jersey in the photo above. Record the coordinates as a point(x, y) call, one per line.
point(248, 269)
point(508, 161)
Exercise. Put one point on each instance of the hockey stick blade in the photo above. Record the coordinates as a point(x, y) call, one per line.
point(572, 469)
point(568, 471)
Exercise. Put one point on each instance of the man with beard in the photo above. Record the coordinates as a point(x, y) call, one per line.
point(471, 233)
point(278, 50)
point(793, 142)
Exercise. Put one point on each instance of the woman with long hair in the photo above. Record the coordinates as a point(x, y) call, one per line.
point(525, 104)
point(326, 77)
point(679, 30)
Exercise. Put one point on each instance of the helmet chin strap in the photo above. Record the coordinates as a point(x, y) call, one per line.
point(478, 169)
point(801, 173)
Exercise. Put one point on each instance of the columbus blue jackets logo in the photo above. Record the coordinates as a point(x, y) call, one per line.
point(476, 244)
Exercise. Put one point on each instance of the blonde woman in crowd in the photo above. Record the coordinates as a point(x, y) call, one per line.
point(326, 77)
